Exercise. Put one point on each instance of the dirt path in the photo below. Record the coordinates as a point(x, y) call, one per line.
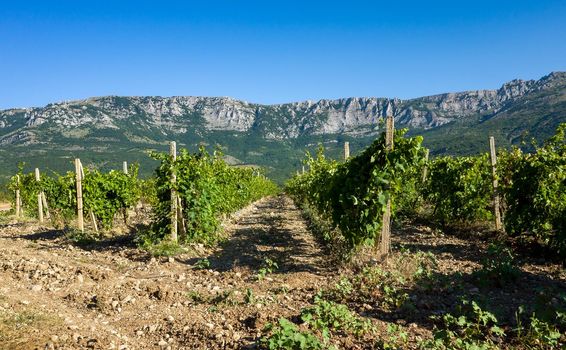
point(111, 295)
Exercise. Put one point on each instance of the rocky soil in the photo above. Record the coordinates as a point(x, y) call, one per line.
point(111, 295)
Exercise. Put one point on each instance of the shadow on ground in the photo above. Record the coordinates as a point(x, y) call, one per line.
point(268, 233)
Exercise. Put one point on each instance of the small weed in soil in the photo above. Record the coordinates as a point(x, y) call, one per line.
point(285, 335)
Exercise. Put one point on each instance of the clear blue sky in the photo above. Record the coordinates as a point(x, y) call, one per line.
point(272, 51)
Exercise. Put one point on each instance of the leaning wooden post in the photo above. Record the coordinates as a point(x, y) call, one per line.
point(496, 208)
point(174, 212)
point(39, 197)
point(125, 167)
point(94, 224)
point(79, 177)
point(45, 206)
point(385, 244)
point(346, 150)
point(18, 200)
point(425, 169)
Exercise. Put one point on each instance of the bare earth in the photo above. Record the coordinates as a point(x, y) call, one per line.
point(111, 295)
point(115, 296)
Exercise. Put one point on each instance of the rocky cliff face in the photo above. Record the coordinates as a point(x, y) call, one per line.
point(178, 115)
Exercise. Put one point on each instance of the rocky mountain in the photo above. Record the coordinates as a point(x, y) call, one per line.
point(106, 129)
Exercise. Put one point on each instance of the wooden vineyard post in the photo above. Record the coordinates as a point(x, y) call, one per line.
point(94, 224)
point(124, 210)
point(183, 227)
point(18, 200)
point(425, 169)
point(39, 198)
point(346, 150)
point(303, 169)
point(385, 244)
point(45, 207)
point(496, 208)
point(79, 178)
point(174, 212)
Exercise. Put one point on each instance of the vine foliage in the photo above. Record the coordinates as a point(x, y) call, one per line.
point(105, 194)
point(353, 195)
point(208, 188)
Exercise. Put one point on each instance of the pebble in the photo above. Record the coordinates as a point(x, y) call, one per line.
point(36, 287)
point(76, 337)
point(170, 319)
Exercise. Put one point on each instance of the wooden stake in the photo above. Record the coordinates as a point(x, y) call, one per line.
point(303, 169)
point(346, 150)
point(385, 244)
point(45, 207)
point(18, 200)
point(79, 177)
point(39, 196)
point(425, 169)
point(94, 224)
point(183, 227)
point(125, 167)
point(496, 208)
point(174, 212)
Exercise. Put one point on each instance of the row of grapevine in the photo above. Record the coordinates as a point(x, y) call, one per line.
point(105, 194)
point(207, 188)
point(353, 195)
point(532, 187)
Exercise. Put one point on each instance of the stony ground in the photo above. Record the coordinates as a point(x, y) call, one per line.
point(111, 295)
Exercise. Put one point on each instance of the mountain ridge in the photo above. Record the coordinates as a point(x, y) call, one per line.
point(116, 123)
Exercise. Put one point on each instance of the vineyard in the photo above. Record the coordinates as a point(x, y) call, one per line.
point(392, 248)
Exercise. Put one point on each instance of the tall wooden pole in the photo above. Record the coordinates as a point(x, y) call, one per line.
point(79, 178)
point(18, 200)
point(425, 169)
point(496, 208)
point(174, 212)
point(39, 197)
point(346, 150)
point(385, 244)
point(125, 167)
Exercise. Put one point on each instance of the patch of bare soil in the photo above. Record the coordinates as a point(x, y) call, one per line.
point(111, 295)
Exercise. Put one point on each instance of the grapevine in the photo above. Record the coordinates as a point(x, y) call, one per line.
point(353, 195)
point(208, 188)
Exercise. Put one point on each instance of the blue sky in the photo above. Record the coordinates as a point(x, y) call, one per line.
point(272, 51)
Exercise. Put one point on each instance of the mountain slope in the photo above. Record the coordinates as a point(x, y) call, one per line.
point(103, 131)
